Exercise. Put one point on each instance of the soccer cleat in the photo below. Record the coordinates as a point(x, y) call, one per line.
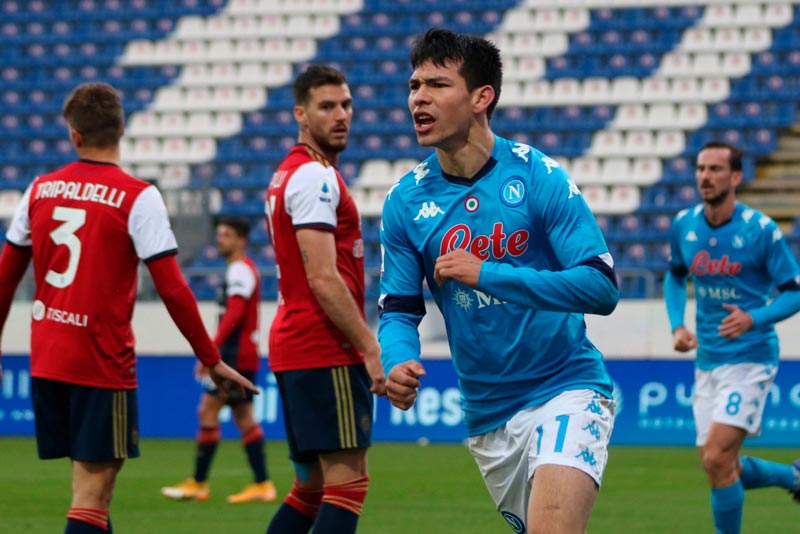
point(256, 492)
point(188, 489)
point(795, 491)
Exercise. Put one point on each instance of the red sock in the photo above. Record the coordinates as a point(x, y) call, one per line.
point(305, 501)
point(348, 495)
point(98, 518)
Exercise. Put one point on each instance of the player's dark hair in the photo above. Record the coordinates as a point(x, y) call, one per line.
point(736, 154)
point(315, 76)
point(480, 59)
point(240, 226)
point(94, 110)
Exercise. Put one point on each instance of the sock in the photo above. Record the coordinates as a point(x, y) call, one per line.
point(253, 441)
point(297, 513)
point(758, 473)
point(289, 520)
point(207, 441)
point(341, 507)
point(727, 504)
point(86, 521)
point(110, 529)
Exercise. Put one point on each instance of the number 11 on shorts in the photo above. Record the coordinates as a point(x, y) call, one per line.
point(563, 421)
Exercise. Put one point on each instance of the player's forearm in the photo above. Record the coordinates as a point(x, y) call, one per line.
point(339, 305)
point(675, 298)
point(786, 304)
point(582, 289)
point(235, 309)
point(13, 263)
point(182, 307)
point(398, 335)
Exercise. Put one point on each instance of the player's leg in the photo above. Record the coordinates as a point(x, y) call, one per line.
point(207, 440)
point(348, 424)
point(565, 440)
point(299, 509)
point(561, 500)
point(262, 488)
point(104, 432)
point(92, 489)
point(571, 450)
point(345, 489)
point(720, 460)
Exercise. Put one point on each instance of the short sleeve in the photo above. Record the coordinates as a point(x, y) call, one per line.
point(240, 280)
point(312, 196)
point(19, 228)
point(149, 227)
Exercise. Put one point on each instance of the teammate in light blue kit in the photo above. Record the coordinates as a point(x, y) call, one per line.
point(736, 256)
point(513, 258)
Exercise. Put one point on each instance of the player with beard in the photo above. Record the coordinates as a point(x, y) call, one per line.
point(325, 358)
point(736, 257)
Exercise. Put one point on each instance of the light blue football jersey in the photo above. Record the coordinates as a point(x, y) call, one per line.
point(741, 263)
point(526, 218)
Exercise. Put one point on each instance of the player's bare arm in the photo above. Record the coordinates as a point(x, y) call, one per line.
point(318, 249)
point(736, 323)
point(402, 383)
point(458, 265)
point(683, 340)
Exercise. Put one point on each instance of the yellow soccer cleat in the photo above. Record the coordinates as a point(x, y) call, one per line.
point(188, 489)
point(257, 492)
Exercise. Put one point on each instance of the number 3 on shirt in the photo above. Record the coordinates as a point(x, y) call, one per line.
point(73, 219)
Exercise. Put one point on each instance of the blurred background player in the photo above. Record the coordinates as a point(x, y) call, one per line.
point(736, 257)
point(319, 341)
point(86, 226)
point(237, 339)
point(513, 258)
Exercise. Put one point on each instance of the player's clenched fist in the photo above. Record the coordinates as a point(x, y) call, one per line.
point(458, 265)
point(402, 384)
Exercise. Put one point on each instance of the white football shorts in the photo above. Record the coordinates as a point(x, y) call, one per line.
point(572, 429)
point(732, 395)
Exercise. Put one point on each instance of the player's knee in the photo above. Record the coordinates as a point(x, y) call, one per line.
point(717, 462)
point(349, 495)
point(305, 499)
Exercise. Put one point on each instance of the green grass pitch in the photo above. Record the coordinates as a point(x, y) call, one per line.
point(426, 490)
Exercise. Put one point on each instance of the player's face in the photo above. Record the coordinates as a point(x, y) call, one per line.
point(715, 179)
point(441, 105)
point(228, 242)
point(327, 116)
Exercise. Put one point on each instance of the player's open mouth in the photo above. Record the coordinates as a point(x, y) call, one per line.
point(423, 121)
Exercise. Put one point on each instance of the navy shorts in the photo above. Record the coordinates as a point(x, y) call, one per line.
point(325, 410)
point(234, 397)
point(84, 423)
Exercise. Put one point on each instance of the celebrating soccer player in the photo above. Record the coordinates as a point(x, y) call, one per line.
point(86, 226)
point(325, 358)
point(513, 258)
point(237, 339)
point(736, 257)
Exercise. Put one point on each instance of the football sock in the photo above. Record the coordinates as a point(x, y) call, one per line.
point(86, 521)
point(758, 473)
point(297, 513)
point(289, 520)
point(207, 441)
point(253, 441)
point(727, 504)
point(341, 506)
